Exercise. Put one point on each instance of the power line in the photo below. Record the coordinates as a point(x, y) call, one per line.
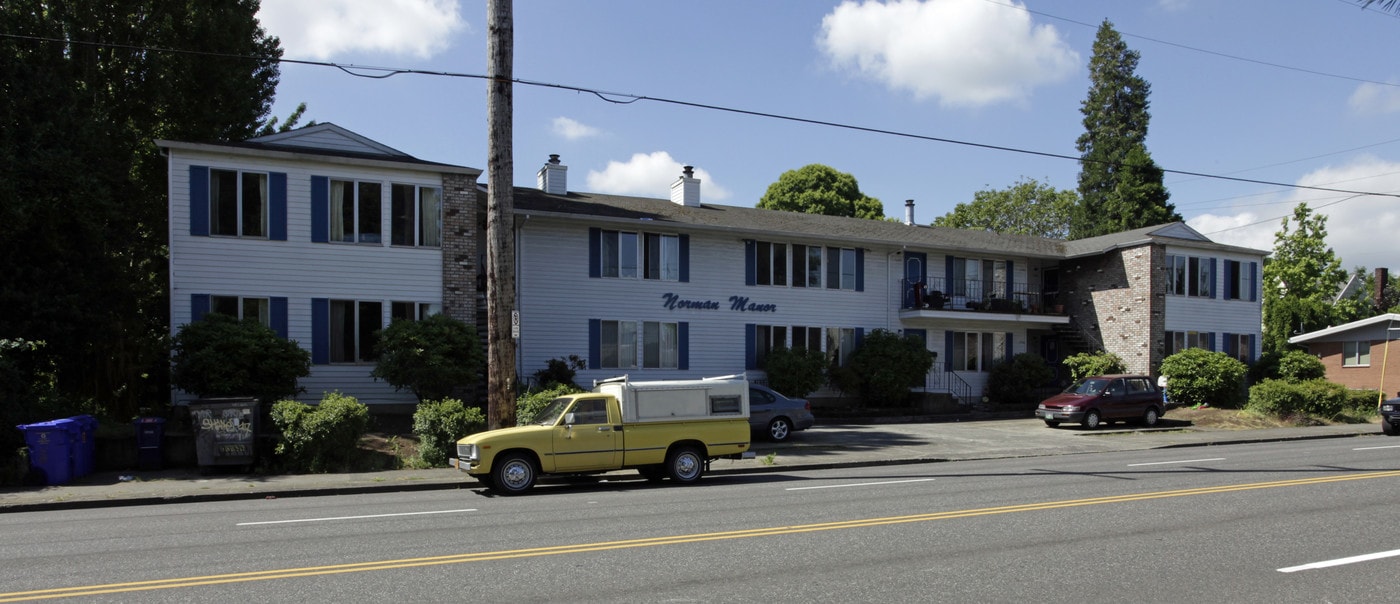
point(621, 98)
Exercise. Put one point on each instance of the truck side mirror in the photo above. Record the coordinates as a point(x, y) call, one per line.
point(569, 418)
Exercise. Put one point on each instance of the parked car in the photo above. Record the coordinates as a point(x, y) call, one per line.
point(1101, 399)
point(777, 416)
point(1390, 416)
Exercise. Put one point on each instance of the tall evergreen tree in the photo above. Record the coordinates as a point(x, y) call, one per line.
point(1301, 280)
point(1120, 187)
point(83, 188)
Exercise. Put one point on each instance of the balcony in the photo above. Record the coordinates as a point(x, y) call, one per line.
point(950, 297)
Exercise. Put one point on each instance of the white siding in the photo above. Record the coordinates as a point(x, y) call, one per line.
point(297, 268)
point(1217, 315)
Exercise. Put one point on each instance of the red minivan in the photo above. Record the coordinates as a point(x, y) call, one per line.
point(1105, 398)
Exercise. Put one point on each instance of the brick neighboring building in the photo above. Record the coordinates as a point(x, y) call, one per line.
point(1355, 354)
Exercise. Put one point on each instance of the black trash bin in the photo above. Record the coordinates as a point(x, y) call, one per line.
point(225, 431)
point(150, 443)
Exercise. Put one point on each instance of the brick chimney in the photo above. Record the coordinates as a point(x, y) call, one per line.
point(1382, 276)
point(553, 177)
point(686, 190)
point(909, 212)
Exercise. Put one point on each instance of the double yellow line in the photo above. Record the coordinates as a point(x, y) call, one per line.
point(311, 571)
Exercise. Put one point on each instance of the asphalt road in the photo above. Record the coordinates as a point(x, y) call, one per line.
point(1237, 523)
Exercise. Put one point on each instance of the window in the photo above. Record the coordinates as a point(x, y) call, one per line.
point(619, 254)
point(806, 265)
point(1239, 280)
point(977, 278)
point(356, 211)
point(238, 203)
point(766, 338)
point(1178, 341)
point(255, 309)
point(771, 263)
point(1356, 354)
point(415, 215)
point(412, 311)
point(1239, 346)
point(1190, 276)
point(618, 345)
point(659, 345)
point(841, 268)
point(809, 338)
point(975, 351)
point(662, 257)
point(840, 343)
point(354, 327)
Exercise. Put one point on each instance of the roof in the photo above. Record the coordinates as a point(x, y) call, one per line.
point(1324, 334)
point(1172, 233)
point(324, 140)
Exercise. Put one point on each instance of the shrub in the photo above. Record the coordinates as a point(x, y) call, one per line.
point(560, 372)
point(1087, 364)
point(430, 358)
point(222, 356)
point(889, 365)
point(1018, 380)
point(438, 425)
point(1363, 403)
point(1299, 366)
point(528, 405)
point(1285, 399)
point(1198, 376)
point(795, 371)
point(320, 438)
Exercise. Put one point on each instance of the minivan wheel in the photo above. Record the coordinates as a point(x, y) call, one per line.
point(1092, 419)
point(1150, 418)
point(1052, 423)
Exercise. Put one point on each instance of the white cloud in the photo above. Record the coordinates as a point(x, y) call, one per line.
point(1173, 6)
point(323, 29)
point(573, 130)
point(650, 175)
point(1374, 99)
point(1360, 230)
point(964, 52)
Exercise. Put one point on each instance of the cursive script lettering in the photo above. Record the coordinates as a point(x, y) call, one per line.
point(742, 304)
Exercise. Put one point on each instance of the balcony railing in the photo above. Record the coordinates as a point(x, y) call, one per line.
point(976, 295)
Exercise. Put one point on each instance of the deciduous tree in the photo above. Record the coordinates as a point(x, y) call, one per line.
point(1301, 280)
point(1027, 208)
point(819, 189)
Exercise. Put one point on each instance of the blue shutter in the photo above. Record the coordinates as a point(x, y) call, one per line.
point(199, 306)
point(1231, 345)
point(833, 268)
point(948, 287)
point(750, 262)
point(860, 269)
point(277, 206)
point(1210, 341)
point(595, 254)
point(1010, 348)
point(948, 344)
point(1212, 278)
point(277, 309)
point(1253, 342)
point(320, 210)
point(1253, 284)
point(320, 331)
point(860, 337)
point(683, 345)
point(199, 201)
point(1010, 280)
point(750, 355)
point(595, 343)
point(685, 258)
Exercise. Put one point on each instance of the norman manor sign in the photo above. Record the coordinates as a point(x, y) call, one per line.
point(736, 303)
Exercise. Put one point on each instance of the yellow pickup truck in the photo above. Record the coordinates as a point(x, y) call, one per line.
point(663, 429)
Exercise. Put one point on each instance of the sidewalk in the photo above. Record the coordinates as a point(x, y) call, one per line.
point(824, 446)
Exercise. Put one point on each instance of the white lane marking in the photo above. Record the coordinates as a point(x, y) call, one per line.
point(858, 484)
point(352, 517)
point(1341, 561)
point(1373, 448)
point(1163, 463)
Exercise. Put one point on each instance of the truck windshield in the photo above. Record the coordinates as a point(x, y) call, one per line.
point(550, 414)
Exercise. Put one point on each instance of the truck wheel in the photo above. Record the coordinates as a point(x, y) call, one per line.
point(684, 465)
point(780, 429)
point(513, 474)
point(1388, 428)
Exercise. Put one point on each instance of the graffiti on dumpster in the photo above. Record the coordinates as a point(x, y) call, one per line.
point(224, 432)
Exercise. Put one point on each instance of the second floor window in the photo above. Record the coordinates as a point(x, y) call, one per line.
point(619, 254)
point(415, 215)
point(237, 203)
point(356, 212)
point(1190, 276)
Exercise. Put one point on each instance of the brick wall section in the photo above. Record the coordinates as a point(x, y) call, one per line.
point(1115, 298)
point(1361, 378)
point(459, 247)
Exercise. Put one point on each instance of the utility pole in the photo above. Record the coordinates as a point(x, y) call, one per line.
point(500, 218)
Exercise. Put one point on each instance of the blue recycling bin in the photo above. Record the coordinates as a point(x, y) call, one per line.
point(51, 449)
point(150, 439)
point(85, 446)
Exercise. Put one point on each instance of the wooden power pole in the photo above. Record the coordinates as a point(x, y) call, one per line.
point(500, 219)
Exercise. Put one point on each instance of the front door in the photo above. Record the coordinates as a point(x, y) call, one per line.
point(915, 272)
point(589, 441)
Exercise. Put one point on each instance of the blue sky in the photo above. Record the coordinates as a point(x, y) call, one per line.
point(1298, 93)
